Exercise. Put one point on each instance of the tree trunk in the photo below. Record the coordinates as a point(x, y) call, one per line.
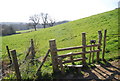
point(35, 27)
point(44, 25)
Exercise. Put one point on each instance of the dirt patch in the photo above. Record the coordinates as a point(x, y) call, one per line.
point(101, 71)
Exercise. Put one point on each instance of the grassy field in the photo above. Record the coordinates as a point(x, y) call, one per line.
point(67, 35)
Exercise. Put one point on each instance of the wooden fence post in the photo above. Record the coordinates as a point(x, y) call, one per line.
point(53, 50)
point(32, 51)
point(61, 66)
point(9, 54)
point(90, 54)
point(104, 44)
point(93, 54)
point(71, 58)
point(84, 48)
point(99, 47)
point(15, 62)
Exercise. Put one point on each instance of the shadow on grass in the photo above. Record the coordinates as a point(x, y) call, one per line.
point(92, 72)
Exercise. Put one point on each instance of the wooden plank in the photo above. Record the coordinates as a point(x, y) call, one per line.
point(94, 45)
point(69, 61)
point(104, 44)
point(77, 47)
point(63, 56)
point(42, 62)
point(76, 66)
point(79, 53)
point(15, 62)
point(53, 50)
point(92, 51)
point(69, 48)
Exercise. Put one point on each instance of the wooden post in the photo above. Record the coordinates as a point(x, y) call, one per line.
point(9, 54)
point(53, 50)
point(93, 55)
point(15, 62)
point(32, 51)
point(71, 58)
point(32, 48)
point(61, 66)
point(104, 44)
point(90, 54)
point(84, 48)
point(99, 47)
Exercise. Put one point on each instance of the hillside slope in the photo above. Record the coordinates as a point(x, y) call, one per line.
point(68, 35)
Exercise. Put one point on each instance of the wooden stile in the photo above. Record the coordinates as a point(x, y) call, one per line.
point(15, 62)
point(57, 59)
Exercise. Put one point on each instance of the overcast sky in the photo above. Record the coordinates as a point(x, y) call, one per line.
point(20, 10)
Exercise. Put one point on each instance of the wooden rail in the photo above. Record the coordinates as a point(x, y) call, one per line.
point(72, 54)
point(42, 62)
point(77, 47)
point(69, 61)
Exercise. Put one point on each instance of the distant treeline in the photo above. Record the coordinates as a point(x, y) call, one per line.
point(8, 28)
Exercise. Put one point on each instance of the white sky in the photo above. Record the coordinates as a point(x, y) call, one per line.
point(20, 10)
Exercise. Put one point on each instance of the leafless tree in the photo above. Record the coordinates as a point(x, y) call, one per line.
point(44, 19)
point(35, 19)
point(52, 22)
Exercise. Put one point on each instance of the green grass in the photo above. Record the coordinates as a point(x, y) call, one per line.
point(67, 35)
point(25, 31)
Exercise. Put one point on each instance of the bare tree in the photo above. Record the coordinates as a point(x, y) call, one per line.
point(52, 22)
point(44, 19)
point(35, 19)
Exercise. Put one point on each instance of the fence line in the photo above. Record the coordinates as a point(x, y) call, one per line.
point(57, 60)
